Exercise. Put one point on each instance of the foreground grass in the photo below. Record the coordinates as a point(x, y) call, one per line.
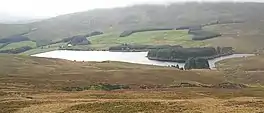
point(254, 63)
point(146, 101)
point(51, 72)
point(34, 85)
point(249, 70)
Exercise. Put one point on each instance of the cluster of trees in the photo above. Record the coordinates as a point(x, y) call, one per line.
point(136, 47)
point(224, 50)
point(17, 50)
point(3, 45)
point(180, 54)
point(127, 33)
point(15, 38)
point(79, 40)
point(76, 40)
point(94, 33)
point(203, 35)
point(194, 58)
point(196, 27)
point(196, 63)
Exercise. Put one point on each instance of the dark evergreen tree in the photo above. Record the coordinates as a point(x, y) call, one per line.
point(196, 63)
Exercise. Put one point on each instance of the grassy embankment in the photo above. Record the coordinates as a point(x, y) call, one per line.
point(35, 85)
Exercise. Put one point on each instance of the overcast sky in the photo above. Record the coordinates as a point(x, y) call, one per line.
point(50, 8)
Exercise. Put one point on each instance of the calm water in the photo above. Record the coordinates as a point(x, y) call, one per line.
point(131, 57)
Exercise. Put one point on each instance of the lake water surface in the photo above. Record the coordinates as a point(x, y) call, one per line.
point(130, 57)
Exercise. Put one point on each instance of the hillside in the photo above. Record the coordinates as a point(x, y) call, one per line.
point(35, 85)
point(118, 20)
point(169, 37)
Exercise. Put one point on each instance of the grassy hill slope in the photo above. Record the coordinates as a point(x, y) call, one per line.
point(117, 20)
point(19, 44)
point(103, 42)
point(36, 85)
point(151, 38)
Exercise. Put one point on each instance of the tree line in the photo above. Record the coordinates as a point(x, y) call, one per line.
point(183, 54)
point(138, 47)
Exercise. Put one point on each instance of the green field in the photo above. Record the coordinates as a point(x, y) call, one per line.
point(19, 45)
point(35, 85)
point(44, 49)
point(103, 42)
point(171, 37)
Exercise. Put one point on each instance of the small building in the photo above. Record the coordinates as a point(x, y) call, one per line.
point(69, 45)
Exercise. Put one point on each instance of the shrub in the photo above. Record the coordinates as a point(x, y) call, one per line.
point(230, 85)
point(106, 87)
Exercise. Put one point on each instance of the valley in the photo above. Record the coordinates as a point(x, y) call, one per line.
point(126, 60)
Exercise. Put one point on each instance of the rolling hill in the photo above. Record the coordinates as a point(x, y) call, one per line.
point(36, 85)
point(117, 20)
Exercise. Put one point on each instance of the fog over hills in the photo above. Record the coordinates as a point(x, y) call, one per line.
point(41, 9)
point(6, 18)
